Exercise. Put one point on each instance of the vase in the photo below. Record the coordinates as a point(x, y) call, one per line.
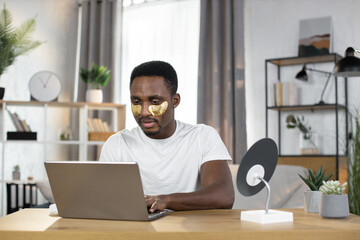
point(2, 92)
point(65, 133)
point(307, 144)
point(312, 201)
point(15, 175)
point(334, 206)
point(94, 95)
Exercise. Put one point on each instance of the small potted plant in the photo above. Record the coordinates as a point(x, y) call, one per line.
point(334, 202)
point(96, 78)
point(314, 182)
point(307, 145)
point(16, 173)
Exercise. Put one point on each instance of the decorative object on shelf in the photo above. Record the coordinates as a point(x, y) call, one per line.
point(2, 92)
point(65, 133)
point(307, 145)
point(286, 94)
point(16, 173)
point(96, 78)
point(45, 86)
point(314, 182)
point(14, 41)
point(354, 163)
point(21, 135)
point(20, 124)
point(302, 75)
point(349, 66)
point(334, 202)
point(315, 37)
point(98, 130)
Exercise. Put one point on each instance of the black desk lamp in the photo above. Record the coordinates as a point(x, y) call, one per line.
point(349, 66)
point(302, 75)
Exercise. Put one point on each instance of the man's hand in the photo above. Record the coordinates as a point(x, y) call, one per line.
point(216, 191)
point(155, 203)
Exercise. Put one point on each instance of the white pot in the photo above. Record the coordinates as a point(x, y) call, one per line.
point(334, 206)
point(94, 95)
point(312, 201)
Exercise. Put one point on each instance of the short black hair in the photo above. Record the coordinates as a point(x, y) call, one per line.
point(157, 68)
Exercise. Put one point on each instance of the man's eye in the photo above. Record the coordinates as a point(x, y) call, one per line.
point(136, 102)
point(155, 102)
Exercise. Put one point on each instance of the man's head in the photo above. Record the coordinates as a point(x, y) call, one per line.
point(153, 87)
point(160, 69)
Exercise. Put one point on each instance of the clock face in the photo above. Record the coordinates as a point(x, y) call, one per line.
point(45, 86)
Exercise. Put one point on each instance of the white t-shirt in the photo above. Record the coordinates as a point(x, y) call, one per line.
point(170, 165)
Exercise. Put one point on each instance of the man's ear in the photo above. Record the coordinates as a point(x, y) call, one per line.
point(176, 100)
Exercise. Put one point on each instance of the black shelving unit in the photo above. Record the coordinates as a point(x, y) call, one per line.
point(336, 107)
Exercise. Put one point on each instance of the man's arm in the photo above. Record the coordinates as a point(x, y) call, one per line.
point(216, 191)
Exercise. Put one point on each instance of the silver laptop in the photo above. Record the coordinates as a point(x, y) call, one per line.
point(99, 190)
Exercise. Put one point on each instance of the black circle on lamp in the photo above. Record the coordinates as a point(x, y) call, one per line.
point(349, 66)
point(302, 75)
point(263, 153)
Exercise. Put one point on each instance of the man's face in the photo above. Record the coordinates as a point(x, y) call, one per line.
point(153, 106)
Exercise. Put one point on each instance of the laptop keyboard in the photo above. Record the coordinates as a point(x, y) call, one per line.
point(157, 214)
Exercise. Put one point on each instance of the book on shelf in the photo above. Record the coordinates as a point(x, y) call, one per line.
point(20, 124)
point(286, 94)
point(97, 125)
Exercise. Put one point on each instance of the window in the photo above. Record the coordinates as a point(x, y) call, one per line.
point(167, 31)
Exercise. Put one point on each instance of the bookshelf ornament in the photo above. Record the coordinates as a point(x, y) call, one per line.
point(65, 133)
point(45, 86)
point(254, 173)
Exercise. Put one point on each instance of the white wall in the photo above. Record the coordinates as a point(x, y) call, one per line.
point(272, 31)
point(57, 27)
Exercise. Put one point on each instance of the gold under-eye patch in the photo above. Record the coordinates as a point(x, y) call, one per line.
point(136, 109)
point(158, 110)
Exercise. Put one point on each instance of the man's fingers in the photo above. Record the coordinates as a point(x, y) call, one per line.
point(153, 207)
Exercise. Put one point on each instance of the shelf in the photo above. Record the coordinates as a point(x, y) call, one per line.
point(63, 104)
point(307, 107)
point(311, 156)
point(333, 57)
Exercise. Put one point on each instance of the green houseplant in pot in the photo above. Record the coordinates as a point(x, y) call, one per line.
point(314, 182)
point(14, 41)
point(334, 202)
point(307, 145)
point(97, 77)
point(354, 164)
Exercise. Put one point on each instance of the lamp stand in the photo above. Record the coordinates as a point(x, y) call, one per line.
point(266, 216)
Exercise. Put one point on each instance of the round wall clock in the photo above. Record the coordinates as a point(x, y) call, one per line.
point(45, 86)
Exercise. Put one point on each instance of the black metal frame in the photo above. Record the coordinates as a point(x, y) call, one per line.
point(279, 62)
point(28, 190)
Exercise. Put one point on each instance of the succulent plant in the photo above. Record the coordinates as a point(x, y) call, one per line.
point(315, 180)
point(16, 168)
point(333, 187)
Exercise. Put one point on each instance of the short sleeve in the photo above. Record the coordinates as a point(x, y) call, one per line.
point(213, 148)
point(110, 150)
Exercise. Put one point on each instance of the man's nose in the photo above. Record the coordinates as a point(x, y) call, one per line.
point(145, 110)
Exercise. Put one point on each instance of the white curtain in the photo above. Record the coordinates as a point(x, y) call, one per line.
point(167, 31)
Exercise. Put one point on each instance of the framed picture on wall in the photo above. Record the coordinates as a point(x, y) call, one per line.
point(315, 37)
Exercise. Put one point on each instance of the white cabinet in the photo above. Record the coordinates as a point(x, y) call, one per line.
point(47, 120)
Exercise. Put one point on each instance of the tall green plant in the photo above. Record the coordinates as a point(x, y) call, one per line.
point(14, 41)
point(354, 165)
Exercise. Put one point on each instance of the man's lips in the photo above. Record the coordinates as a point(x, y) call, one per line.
point(148, 124)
